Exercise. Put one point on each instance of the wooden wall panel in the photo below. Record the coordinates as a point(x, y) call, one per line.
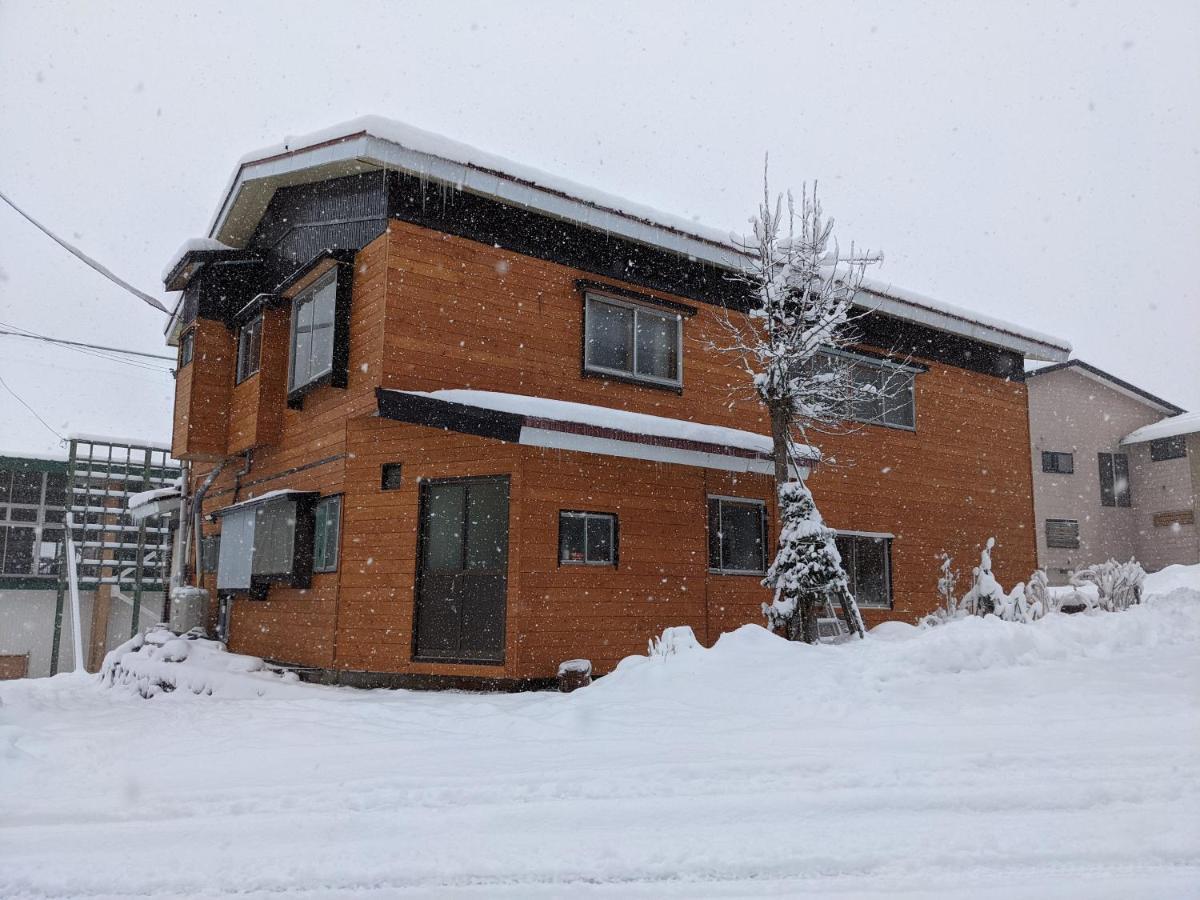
point(202, 394)
point(433, 311)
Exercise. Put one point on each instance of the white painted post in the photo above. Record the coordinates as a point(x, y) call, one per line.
point(73, 582)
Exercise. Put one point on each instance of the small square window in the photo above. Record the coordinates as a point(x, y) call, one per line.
point(1062, 534)
point(390, 477)
point(587, 539)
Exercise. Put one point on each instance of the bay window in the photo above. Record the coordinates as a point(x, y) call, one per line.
point(313, 320)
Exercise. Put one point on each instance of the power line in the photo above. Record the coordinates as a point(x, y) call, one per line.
point(98, 354)
point(41, 337)
point(17, 397)
point(80, 255)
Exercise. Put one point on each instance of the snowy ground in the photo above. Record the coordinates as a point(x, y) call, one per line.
point(978, 759)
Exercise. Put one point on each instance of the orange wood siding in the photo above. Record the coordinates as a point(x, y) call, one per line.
point(433, 311)
point(202, 394)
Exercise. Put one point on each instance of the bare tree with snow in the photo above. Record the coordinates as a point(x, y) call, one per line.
point(791, 344)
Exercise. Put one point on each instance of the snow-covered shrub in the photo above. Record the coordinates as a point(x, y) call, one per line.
point(677, 639)
point(161, 661)
point(806, 574)
point(985, 593)
point(948, 607)
point(1119, 584)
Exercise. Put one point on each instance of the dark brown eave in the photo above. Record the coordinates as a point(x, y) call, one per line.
point(192, 261)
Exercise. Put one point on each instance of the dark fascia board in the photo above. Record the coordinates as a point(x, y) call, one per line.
point(194, 260)
point(588, 286)
point(449, 416)
point(1171, 408)
point(341, 257)
point(292, 496)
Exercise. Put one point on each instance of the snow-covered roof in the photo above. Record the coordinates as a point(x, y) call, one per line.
point(1087, 370)
point(373, 142)
point(1185, 423)
point(141, 499)
point(261, 498)
point(191, 245)
point(583, 427)
point(911, 306)
point(607, 417)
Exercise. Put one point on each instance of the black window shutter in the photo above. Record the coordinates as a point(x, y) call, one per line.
point(1107, 495)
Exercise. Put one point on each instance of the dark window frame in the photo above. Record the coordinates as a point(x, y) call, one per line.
point(1111, 466)
point(764, 539)
point(1163, 449)
point(613, 561)
point(851, 567)
point(249, 345)
point(631, 375)
point(1071, 544)
point(388, 469)
point(892, 370)
point(299, 573)
point(338, 376)
point(324, 566)
point(1052, 461)
point(187, 348)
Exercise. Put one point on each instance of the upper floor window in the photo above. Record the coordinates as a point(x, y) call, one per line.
point(1059, 463)
point(633, 341)
point(737, 536)
point(187, 347)
point(249, 348)
point(867, 560)
point(1114, 480)
point(888, 393)
point(1168, 448)
point(313, 318)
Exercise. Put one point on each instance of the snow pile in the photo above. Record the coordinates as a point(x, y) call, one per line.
point(745, 662)
point(162, 662)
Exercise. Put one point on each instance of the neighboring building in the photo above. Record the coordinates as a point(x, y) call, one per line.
point(470, 422)
point(1100, 491)
point(93, 482)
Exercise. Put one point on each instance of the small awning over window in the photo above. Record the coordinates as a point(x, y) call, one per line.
point(562, 425)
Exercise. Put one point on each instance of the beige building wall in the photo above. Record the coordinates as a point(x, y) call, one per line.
point(1072, 412)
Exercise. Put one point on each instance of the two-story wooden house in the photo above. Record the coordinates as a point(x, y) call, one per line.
point(466, 420)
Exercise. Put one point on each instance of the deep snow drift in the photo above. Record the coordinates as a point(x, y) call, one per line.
point(979, 758)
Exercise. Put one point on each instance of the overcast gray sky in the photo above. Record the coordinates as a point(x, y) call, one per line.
point(1036, 162)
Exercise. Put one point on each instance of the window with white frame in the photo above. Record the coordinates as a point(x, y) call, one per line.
point(867, 559)
point(737, 536)
point(887, 390)
point(313, 319)
point(633, 341)
point(587, 539)
point(249, 348)
point(1058, 462)
point(326, 531)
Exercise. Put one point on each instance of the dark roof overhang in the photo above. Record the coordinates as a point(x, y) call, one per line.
point(194, 260)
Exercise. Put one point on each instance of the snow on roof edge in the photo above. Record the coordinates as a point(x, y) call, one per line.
point(436, 147)
point(606, 417)
point(191, 245)
point(1172, 426)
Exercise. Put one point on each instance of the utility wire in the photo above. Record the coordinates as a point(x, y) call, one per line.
point(31, 409)
point(41, 337)
point(98, 354)
point(79, 254)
